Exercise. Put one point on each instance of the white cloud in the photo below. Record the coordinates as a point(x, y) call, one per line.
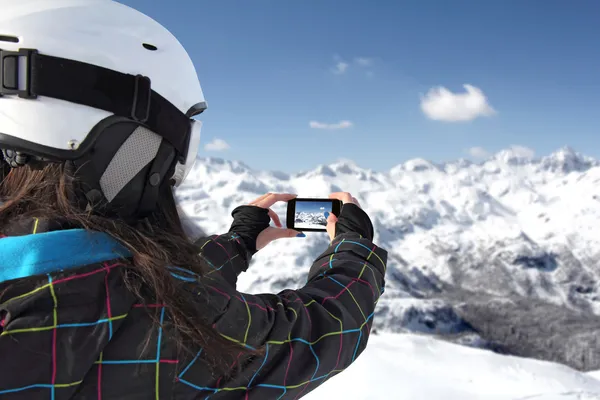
point(441, 104)
point(364, 61)
point(514, 151)
point(340, 125)
point(478, 152)
point(217, 145)
point(340, 68)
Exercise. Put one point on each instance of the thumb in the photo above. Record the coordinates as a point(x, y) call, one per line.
point(279, 233)
point(289, 233)
point(270, 234)
point(330, 217)
point(331, 221)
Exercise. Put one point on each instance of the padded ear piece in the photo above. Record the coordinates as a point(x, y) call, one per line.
point(123, 170)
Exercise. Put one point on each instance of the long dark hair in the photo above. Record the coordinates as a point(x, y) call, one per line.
point(155, 243)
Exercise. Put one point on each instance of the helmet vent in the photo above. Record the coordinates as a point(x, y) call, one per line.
point(150, 47)
point(11, 39)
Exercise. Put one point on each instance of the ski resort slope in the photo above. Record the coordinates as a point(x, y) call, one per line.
point(412, 367)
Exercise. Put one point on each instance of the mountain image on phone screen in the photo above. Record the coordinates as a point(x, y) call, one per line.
point(311, 214)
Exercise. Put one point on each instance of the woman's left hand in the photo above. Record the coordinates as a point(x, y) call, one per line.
point(270, 234)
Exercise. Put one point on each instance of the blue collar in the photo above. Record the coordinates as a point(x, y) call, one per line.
point(42, 253)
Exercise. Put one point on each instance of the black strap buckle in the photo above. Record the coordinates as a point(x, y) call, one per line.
point(9, 73)
point(142, 97)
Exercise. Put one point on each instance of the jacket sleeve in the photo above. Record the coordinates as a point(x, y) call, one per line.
point(310, 334)
point(230, 254)
point(225, 255)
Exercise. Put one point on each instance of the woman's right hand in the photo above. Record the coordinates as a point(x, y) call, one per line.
point(345, 198)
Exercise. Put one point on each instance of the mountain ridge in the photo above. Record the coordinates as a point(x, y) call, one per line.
point(461, 236)
point(515, 155)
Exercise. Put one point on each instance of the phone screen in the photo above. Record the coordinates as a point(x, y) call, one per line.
point(309, 214)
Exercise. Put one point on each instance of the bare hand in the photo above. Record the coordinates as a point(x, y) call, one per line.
point(270, 234)
point(345, 198)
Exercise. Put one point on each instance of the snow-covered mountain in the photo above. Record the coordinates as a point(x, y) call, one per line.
point(311, 218)
point(501, 254)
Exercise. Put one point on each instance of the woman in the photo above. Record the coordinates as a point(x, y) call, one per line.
point(102, 294)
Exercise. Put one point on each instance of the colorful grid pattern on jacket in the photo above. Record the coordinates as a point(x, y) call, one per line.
point(80, 334)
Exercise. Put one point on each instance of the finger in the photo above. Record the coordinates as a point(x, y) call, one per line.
point(288, 233)
point(270, 234)
point(343, 196)
point(274, 198)
point(355, 201)
point(275, 218)
point(331, 221)
point(260, 198)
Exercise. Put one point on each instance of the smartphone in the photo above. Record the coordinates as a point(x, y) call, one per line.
point(308, 215)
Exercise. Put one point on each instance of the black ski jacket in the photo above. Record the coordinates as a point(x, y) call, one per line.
point(70, 329)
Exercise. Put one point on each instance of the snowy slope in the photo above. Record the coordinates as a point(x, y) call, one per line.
point(482, 254)
point(594, 374)
point(409, 367)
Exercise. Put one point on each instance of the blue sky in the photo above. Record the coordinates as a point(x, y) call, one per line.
point(269, 68)
point(313, 206)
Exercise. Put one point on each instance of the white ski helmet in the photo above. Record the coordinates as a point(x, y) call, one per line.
point(103, 88)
